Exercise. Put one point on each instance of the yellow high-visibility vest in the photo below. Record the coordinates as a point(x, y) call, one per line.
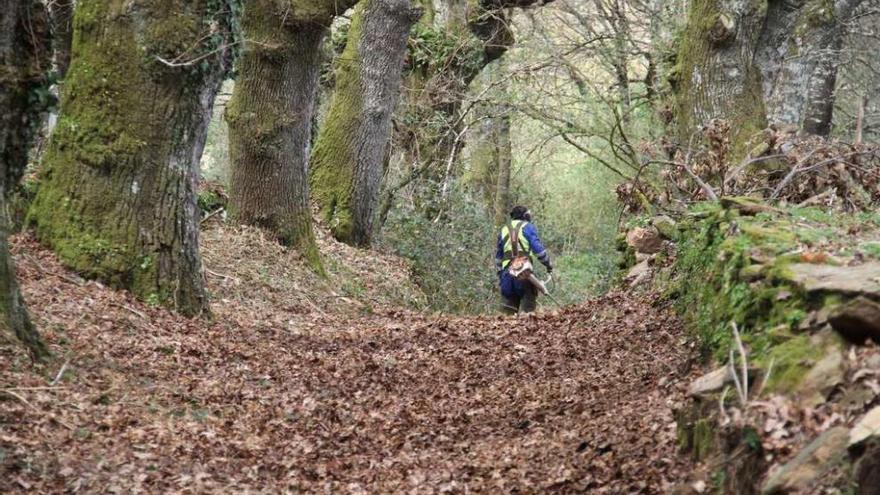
point(524, 248)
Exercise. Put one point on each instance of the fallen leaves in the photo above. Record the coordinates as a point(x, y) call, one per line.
point(265, 398)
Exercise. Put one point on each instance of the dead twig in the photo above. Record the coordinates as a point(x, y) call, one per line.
point(220, 275)
point(131, 310)
point(739, 389)
point(60, 374)
point(766, 377)
point(723, 411)
point(26, 389)
point(745, 363)
point(35, 409)
point(44, 272)
point(209, 215)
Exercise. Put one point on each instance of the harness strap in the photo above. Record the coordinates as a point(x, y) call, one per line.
point(514, 238)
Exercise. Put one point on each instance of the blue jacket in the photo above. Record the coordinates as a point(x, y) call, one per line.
point(511, 287)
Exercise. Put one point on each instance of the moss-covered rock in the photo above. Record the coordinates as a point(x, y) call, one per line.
point(825, 454)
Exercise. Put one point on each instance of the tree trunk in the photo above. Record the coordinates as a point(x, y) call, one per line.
point(270, 122)
point(482, 154)
point(117, 199)
point(24, 61)
point(350, 150)
point(431, 126)
point(717, 75)
point(61, 13)
point(751, 63)
point(504, 159)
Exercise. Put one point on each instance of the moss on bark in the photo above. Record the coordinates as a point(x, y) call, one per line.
point(270, 119)
point(351, 149)
point(117, 200)
point(333, 160)
point(715, 73)
point(24, 61)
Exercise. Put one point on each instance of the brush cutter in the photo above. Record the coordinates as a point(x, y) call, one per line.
point(521, 269)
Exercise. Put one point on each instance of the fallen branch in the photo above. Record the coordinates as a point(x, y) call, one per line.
point(209, 215)
point(220, 275)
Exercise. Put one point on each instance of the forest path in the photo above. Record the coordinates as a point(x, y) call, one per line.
point(569, 401)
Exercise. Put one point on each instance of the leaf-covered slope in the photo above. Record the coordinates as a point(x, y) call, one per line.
point(302, 397)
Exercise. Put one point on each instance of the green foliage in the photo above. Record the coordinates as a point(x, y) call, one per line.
point(433, 47)
point(717, 253)
point(734, 268)
point(581, 275)
point(210, 200)
point(452, 261)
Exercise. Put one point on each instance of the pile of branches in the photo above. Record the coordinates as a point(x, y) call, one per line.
point(780, 166)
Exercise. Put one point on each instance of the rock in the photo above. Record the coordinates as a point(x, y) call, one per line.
point(645, 240)
point(748, 206)
point(640, 257)
point(666, 226)
point(822, 378)
point(638, 270)
point(847, 280)
point(811, 464)
point(867, 469)
point(856, 398)
point(751, 273)
point(857, 320)
point(711, 382)
point(867, 428)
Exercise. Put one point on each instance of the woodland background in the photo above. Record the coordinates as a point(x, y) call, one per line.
point(320, 184)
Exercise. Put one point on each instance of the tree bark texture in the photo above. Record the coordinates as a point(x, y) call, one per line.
point(117, 199)
point(270, 120)
point(24, 61)
point(350, 151)
point(479, 32)
point(61, 14)
point(503, 159)
point(759, 62)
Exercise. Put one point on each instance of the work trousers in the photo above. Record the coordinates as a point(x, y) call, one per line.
point(524, 303)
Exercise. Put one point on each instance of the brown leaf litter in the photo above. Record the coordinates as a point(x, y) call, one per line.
point(279, 393)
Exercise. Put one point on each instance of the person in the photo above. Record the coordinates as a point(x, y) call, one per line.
point(519, 295)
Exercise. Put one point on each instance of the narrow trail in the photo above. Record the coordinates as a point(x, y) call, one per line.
point(578, 400)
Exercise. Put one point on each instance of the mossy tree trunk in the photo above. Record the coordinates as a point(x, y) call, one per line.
point(270, 119)
point(490, 146)
point(117, 199)
point(758, 62)
point(454, 42)
point(350, 151)
point(61, 14)
point(503, 161)
point(803, 71)
point(716, 75)
point(24, 61)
